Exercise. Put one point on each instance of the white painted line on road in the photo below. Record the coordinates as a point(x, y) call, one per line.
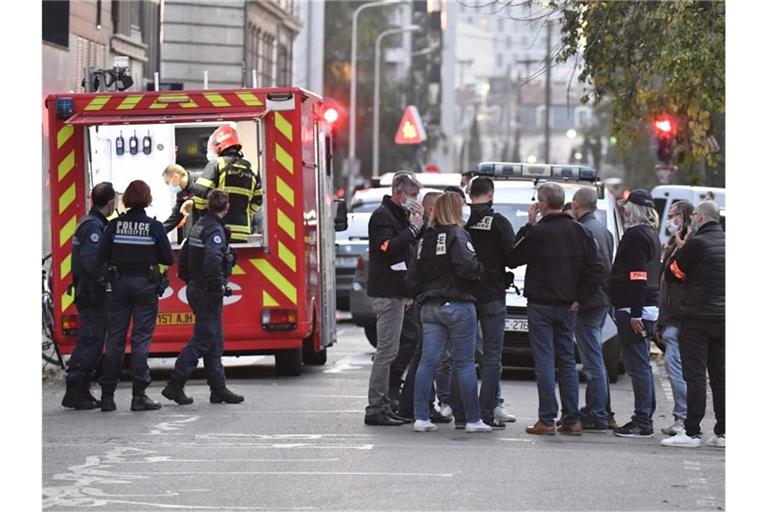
point(263, 445)
point(172, 426)
point(301, 473)
point(361, 397)
point(304, 411)
point(513, 439)
point(213, 435)
point(164, 459)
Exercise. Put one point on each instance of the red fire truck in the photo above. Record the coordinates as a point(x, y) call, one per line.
point(284, 298)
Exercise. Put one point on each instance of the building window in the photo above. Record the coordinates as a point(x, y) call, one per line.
point(56, 23)
point(509, 42)
point(89, 54)
point(266, 60)
point(499, 60)
point(283, 66)
point(501, 24)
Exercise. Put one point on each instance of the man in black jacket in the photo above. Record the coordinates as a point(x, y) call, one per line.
point(493, 238)
point(563, 271)
point(591, 317)
point(700, 266)
point(393, 230)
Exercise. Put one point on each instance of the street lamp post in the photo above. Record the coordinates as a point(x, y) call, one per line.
point(353, 80)
point(377, 88)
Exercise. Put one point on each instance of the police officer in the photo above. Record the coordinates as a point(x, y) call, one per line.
point(227, 170)
point(134, 245)
point(493, 237)
point(206, 261)
point(89, 281)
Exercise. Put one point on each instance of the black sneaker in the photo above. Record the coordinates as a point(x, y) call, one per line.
point(495, 423)
point(592, 425)
point(436, 417)
point(632, 430)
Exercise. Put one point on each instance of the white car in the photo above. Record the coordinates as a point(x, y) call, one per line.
point(664, 196)
point(512, 197)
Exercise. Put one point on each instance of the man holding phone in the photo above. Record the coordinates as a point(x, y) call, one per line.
point(668, 326)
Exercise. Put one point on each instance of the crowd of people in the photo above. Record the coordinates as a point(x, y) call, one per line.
point(440, 269)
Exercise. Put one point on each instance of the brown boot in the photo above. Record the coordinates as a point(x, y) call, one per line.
point(541, 428)
point(612, 422)
point(570, 429)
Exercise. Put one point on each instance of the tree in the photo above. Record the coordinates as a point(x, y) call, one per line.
point(651, 58)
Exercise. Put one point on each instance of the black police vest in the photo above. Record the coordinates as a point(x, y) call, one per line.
point(133, 247)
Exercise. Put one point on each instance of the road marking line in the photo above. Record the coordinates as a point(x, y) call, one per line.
point(163, 459)
point(299, 473)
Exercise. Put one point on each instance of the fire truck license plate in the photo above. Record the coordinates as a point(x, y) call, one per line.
point(185, 318)
point(516, 324)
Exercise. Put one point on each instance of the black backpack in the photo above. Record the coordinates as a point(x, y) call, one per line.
point(183, 266)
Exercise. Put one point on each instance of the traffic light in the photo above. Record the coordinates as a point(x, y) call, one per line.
point(666, 129)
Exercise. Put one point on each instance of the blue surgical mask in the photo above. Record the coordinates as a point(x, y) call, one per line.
point(175, 189)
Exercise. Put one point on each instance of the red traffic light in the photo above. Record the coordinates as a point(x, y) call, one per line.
point(663, 125)
point(331, 115)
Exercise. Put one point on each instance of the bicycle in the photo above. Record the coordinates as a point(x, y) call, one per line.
point(51, 353)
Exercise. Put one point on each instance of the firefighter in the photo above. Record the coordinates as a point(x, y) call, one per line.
point(177, 179)
point(205, 263)
point(134, 246)
point(227, 170)
point(89, 281)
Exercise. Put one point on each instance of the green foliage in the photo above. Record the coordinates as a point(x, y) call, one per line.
point(651, 58)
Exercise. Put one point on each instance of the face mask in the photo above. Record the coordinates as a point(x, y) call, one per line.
point(672, 227)
point(175, 189)
point(210, 155)
point(465, 213)
point(408, 204)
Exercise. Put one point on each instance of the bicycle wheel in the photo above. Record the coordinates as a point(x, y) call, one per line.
point(51, 352)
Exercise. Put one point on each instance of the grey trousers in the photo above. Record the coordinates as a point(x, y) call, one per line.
point(389, 324)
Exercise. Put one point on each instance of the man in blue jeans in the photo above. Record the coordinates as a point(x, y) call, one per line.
point(493, 238)
point(563, 271)
point(591, 317)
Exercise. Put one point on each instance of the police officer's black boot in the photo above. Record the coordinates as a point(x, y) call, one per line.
point(174, 390)
point(108, 398)
point(140, 401)
point(74, 399)
point(224, 395)
point(85, 392)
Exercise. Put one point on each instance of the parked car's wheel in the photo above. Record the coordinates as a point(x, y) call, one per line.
point(612, 358)
point(370, 333)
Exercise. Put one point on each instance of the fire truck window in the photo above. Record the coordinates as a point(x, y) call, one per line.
point(124, 153)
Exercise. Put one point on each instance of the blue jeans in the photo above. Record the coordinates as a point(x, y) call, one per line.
point(674, 366)
point(491, 315)
point(454, 323)
point(207, 339)
point(589, 330)
point(550, 330)
point(443, 378)
point(635, 353)
point(133, 298)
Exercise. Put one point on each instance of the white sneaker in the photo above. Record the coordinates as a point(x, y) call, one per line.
point(478, 426)
point(501, 414)
point(681, 440)
point(424, 426)
point(446, 410)
point(717, 441)
point(675, 428)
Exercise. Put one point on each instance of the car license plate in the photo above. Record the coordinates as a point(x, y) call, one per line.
point(346, 261)
point(516, 324)
point(185, 318)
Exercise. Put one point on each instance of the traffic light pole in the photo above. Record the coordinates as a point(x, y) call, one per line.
point(377, 90)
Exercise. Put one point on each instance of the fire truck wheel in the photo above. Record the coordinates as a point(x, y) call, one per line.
point(310, 357)
point(288, 363)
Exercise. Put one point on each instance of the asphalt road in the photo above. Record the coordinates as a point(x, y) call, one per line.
point(300, 444)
